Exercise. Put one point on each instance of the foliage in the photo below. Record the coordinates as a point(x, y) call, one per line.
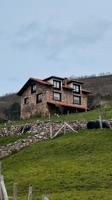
point(10, 107)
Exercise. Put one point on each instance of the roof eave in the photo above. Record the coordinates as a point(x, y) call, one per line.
point(25, 86)
point(75, 81)
point(50, 77)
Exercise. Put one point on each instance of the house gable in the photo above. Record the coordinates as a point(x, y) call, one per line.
point(31, 81)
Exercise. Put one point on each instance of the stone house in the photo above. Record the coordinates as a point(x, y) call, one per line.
point(52, 95)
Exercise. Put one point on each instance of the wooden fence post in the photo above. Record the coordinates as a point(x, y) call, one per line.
point(1, 196)
point(49, 117)
point(14, 192)
point(100, 122)
point(3, 189)
point(51, 129)
point(0, 168)
point(45, 197)
point(64, 128)
point(30, 193)
point(69, 126)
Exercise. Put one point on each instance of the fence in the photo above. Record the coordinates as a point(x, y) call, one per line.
point(64, 127)
point(4, 194)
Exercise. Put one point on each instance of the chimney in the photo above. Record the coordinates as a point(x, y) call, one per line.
point(65, 81)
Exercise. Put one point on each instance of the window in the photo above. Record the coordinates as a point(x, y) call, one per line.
point(39, 98)
point(56, 84)
point(76, 88)
point(26, 100)
point(56, 96)
point(33, 88)
point(76, 100)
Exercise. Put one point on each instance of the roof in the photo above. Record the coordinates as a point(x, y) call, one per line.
point(75, 81)
point(67, 105)
point(50, 77)
point(40, 81)
point(67, 87)
point(46, 82)
point(85, 91)
point(30, 80)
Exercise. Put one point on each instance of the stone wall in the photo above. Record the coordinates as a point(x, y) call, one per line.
point(39, 127)
point(20, 144)
point(33, 108)
point(84, 100)
point(39, 131)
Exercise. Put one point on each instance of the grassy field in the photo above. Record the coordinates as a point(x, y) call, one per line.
point(13, 138)
point(70, 167)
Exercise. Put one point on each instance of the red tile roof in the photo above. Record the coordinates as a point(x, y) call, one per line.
point(30, 80)
point(41, 81)
point(85, 91)
point(67, 87)
point(75, 81)
point(50, 77)
point(46, 82)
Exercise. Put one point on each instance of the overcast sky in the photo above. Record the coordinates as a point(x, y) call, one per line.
point(39, 38)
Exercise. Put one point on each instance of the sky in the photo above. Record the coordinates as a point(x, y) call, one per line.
point(40, 38)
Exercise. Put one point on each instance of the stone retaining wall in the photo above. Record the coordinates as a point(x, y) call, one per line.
point(39, 127)
point(40, 131)
point(20, 144)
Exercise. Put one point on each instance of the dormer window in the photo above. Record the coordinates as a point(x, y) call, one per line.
point(57, 84)
point(76, 88)
point(33, 88)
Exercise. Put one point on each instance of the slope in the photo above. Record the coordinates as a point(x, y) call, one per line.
point(74, 167)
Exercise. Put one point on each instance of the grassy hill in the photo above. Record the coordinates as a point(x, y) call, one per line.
point(71, 167)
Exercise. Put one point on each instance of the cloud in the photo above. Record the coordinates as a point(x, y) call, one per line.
point(13, 79)
point(27, 30)
point(53, 40)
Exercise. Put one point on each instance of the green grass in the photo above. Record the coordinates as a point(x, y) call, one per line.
point(13, 138)
point(71, 167)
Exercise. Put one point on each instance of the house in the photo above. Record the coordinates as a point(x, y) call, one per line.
point(52, 95)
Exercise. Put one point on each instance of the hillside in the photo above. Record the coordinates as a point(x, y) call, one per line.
point(9, 107)
point(99, 84)
point(100, 87)
point(74, 167)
